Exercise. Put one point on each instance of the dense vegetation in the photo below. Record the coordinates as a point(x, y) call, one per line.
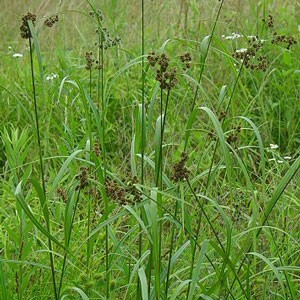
point(150, 150)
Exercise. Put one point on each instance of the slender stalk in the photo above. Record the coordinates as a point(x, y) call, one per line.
point(63, 270)
point(205, 55)
point(171, 252)
point(212, 160)
point(226, 111)
point(101, 78)
point(194, 248)
point(88, 250)
point(193, 237)
point(159, 177)
point(138, 294)
point(42, 166)
point(143, 93)
point(216, 236)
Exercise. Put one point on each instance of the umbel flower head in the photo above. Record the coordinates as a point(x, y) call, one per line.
point(24, 28)
point(49, 22)
point(89, 60)
point(164, 75)
point(181, 172)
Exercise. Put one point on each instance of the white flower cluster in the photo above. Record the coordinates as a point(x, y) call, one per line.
point(233, 36)
point(17, 55)
point(242, 50)
point(52, 76)
point(279, 159)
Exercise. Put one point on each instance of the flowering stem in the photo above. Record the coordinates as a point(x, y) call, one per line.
point(138, 294)
point(63, 270)
point(171, 252)
point(226, 111)
point(205, 56)
point(42, 165)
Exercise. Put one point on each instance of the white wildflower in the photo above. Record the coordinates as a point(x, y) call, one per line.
point(287, 157)
point(252, 37)
point(233, 36)
point(17, 55)
point(242, 50)
point(52, 76)
point(280, 161)
point(274, 146)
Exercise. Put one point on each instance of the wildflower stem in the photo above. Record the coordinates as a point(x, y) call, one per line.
point(171, 252)
point(101, 78)
point(63, 270)
point(138, 294)
point(42, 165)
point(89, 242)
point(226, 111)
point(218, 240)
point(205, 55)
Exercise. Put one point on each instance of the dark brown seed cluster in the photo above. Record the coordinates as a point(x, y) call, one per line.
point(269, 21)
point(62, 194)
point(222, 115)
point(89, 60)
point(233, 136)
point(279, 39)
point(186, 59)
point(283, 39)
point(97, 149)
point(180, 170)
point(83, 179)
point(116, 192)
point(164, 75)
point(98, 14)
point(49, 22)
point(106, 41)
point(24, 28)
point(127, 194)
point(250, 56)
point(152, 59)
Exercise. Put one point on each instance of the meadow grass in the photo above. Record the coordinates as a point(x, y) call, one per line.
point(150, 150)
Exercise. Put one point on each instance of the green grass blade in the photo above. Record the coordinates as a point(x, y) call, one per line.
point(223, 145)
point(281, 188)
point(27, 210)
point(144, 284)
point(196, 271)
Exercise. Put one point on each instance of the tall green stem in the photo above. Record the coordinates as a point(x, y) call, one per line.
point(42, 165)
point(103, 104)
point(205, 56)
point(138, 295)
point(170, 253)
point(63, 270)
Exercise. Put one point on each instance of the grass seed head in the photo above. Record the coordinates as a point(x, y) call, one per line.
point(180, 170)
point(49, 22)
point(24, 28)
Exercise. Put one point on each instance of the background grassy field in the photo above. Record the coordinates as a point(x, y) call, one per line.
point(114, 187)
